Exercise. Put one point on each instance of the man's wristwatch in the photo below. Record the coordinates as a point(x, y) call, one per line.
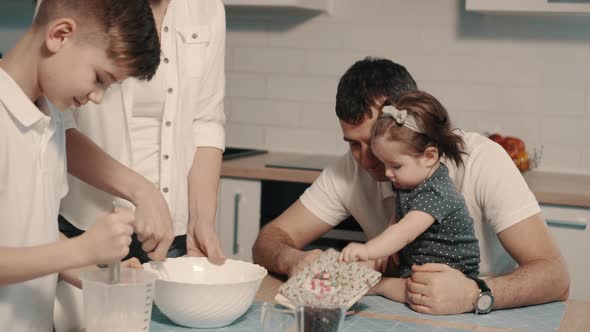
point(485, 300)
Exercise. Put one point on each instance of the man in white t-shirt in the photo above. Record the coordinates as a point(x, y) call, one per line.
point(508, 224)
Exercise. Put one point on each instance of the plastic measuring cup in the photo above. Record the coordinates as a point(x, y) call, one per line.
point(125, 306)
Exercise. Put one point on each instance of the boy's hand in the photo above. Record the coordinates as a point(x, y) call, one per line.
point(109, 238)
point(202, 240)
point(354, 252)
point(153, 224)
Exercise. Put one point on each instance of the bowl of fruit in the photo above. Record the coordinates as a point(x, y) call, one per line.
point(524, 159)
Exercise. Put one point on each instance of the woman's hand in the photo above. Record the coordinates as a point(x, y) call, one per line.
point(202, 240)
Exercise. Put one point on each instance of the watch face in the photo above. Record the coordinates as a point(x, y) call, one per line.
point(484, 303)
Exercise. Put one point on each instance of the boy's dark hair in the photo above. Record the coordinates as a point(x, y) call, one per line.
point(127, 25)
point(367, 81)
point(431, 117)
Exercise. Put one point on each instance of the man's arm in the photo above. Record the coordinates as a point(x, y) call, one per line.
point(278, 246)
point(88, 162)
point(541, 277)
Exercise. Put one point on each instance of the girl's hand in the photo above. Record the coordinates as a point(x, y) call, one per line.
point(354, 252)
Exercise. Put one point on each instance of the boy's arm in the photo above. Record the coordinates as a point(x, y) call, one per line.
point(106, 241)
point(88, 162)
point(399, 235)
point(72, 276)
point(22, 264)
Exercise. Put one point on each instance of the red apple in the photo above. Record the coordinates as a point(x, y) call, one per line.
point(522, 161)
point(496, 138)
point(515, 141)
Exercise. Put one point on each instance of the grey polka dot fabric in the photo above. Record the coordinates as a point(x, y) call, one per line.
point(451, 238)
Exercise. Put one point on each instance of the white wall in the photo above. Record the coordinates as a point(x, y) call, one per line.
point(15, 16)
point(517, 75)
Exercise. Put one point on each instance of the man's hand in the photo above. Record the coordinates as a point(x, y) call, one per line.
point(354, 252)
point(439, 289)
point(202, 240)
point(306, 259)
point(153, 224)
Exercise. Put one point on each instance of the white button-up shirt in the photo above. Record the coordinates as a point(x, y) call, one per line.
point(193, 50)
point(32, 183)
point(494, 190)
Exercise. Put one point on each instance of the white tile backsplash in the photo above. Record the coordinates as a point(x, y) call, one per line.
point(320, 116)
point(242, 135)
point(266, 112)
point(557, 156)
point(245, 85)
point(585, 163)
point(565, 131)
point(313, 141)
point(301, 88)
point(527, 76)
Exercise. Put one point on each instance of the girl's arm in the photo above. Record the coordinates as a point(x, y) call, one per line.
point(398, 235)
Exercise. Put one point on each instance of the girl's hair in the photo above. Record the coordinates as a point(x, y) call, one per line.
point(431, 117)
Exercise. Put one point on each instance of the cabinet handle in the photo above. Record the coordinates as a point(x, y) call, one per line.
point(566, 224)
point(236, 247)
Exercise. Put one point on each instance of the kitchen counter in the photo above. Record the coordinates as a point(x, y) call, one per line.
point(549, 188)
point(575, 319)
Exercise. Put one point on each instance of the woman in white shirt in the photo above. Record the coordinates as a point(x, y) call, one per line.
point(170, 129)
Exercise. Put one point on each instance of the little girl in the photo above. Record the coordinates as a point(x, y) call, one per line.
point(433, 225)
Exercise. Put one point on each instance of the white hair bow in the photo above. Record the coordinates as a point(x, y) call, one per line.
point(401, 117)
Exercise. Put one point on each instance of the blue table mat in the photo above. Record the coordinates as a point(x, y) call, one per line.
point(250, 322)
point(540, 318)
point(544, 317)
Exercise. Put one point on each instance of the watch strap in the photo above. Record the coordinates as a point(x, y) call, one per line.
point(483, 287)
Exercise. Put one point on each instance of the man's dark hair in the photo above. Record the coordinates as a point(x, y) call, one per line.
point(365, 83)
point(128, 26)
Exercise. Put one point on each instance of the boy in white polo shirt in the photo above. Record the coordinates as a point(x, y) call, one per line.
point(70, 55)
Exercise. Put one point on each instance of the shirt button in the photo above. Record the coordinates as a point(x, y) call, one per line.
point(165, 189)
point(168, 123)
point(165, 29)
point(170, 90)
point(165, 157)
point(194, 35)
point(166, 60)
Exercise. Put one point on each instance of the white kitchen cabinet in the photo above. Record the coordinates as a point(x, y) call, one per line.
point(528, 6)
point(238, 217)
point(569, 226)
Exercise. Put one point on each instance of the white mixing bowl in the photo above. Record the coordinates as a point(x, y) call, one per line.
point(195, 293)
